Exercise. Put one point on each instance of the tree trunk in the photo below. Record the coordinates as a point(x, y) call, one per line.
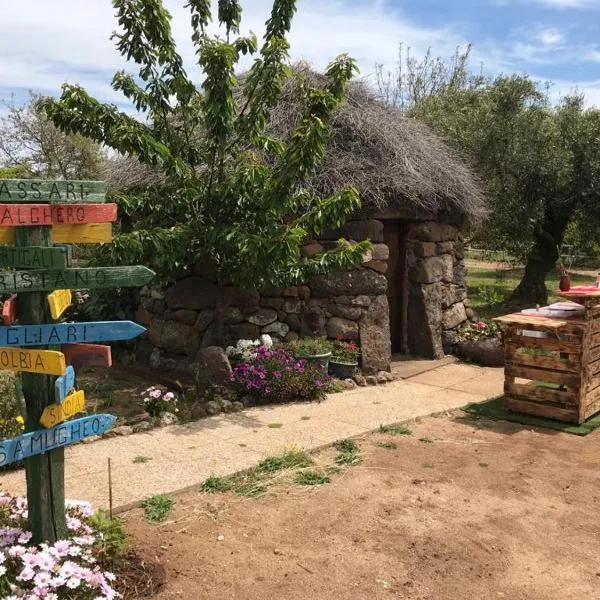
point(542, 258)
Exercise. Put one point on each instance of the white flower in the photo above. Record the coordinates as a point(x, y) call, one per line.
point(229, 350)
point(169, 396)
point(2, 570)
point(266, 340)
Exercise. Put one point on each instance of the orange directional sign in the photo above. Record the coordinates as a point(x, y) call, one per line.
point(57, 413)
point(9, 310)
point(87, 355)
point(59, 301)
point(48, 362)
point(92, 233)
point(16, 215)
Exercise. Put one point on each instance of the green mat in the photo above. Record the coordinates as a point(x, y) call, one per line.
point(494, 409)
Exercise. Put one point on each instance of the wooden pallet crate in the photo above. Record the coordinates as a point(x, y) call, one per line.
point(557, 375)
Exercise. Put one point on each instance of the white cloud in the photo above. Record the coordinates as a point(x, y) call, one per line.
point(43, 44)
point(565, 4)
point(550, 37)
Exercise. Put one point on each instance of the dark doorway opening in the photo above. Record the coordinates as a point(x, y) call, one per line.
point(394, 233)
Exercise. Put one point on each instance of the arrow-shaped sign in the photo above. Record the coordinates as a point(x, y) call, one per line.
point(15, 215)
point(48, 362)
point(64, 384)
point(87, 355)
point(57, 413)
point(59, 301)
point(38, 442)
point(33, 257)
point(66, 333)
point(74, 279)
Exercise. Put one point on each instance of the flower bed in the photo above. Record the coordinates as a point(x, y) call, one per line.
point(67, 569)
point(480, 343)
point(274, 375)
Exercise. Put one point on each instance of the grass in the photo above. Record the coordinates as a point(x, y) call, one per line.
point(141, 459)
point(484, 281)
point(388, 445)
point(426, 440)
point(395, 430)
point(305, 418)
point(217, 485)
point(288, 460)
point(348, 453)
point(427, 466)
point(311, 478)
point(483, 465)
point(275, 425)
point(157, 508)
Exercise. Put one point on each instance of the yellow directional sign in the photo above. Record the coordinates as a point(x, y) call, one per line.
point(32, 361)
point(91, 233)
point(59, 301)
point(57, 413)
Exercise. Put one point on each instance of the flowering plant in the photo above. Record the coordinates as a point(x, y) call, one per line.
point(242, 351)
point(315, 346)
point(480, 330)
point(65, 569)
point(345, 352)
point(274, 374)
point(157, 400)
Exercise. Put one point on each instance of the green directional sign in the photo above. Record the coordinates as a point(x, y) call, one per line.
point(73, 279)
point(33, 257)
point(55, 192)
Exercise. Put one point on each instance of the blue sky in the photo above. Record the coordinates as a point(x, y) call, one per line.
point(46, 42)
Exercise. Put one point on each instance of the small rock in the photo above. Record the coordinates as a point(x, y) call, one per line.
point(90, 439)
point(220, 537)
point(263, 317)
point(280, 329)
point(142, 426)
point(349, 384)
point(381, 378)
point(122, 430)
point(198, 411)
point(226, 405)
point(277, 551)
point(167, 419)
point(212, 407)
point(360, 380)
point(247, 401)
point(371, 379)
point(137, 418)
point(237, 406)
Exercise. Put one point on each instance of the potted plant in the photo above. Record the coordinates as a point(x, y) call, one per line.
point(344, 359)
point(315, 350)
point(481, 343)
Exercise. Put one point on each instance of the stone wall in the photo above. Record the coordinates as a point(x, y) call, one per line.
point(195, 312)
point(437, 290)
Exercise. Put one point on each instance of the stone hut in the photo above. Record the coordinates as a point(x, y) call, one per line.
point(408, 297)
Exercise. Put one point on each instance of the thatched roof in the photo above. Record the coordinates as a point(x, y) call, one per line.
point(395, 162)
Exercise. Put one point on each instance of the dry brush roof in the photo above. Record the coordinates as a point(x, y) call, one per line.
point(394, 161)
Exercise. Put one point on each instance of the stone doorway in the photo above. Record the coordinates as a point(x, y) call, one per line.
point(394, 234)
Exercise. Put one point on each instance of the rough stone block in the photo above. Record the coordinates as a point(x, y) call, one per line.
point(432, 231)
point(350, 283)
point(245, 331)
point(155, 330)
point(263, 317)
point(444, 247)
point(347, 312)
point(232, 315)
point(304, 292)
point(185, 316)
point(179, 338)
point(143, 316)
point(380, 252)
point(381, 266)
point(374, 334)
point(292, 305)
point(368, 229)
point(205, 318)
point(193, 293)
point(241, 297)
point(277, 328)
point(276, 303)
point(424, 327)
point(454, 316)
point(290, 292)
point(212, 368)
point(447, 268)
point(293, 321)
point(428, 270)
point(460, 273)
point(312, 325)
point(311, 250)
point(344, 328)
point(423, 249)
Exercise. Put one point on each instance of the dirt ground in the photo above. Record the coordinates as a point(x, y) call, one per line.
point(461, 509)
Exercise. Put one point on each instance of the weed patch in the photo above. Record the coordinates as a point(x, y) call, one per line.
point(156, 508)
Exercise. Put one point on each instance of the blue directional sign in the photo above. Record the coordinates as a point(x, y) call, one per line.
point(64, 384)
point(38, 442)
point(69, 333)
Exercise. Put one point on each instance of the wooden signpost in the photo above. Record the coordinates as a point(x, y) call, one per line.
point(15, 215)
point(42, 441)
point(74, 279)
point(9, 310)
point(59, 301)
point(64, 384)
point(34, 215)
point(57, 413)
point(93, 233)
point(66, 333)
point(87, 355)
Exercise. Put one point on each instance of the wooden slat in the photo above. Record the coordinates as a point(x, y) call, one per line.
point(534, 374)
point(28, 215)
point(523, 390)
point(545, 362)
point(542, 323)
point(595, 340)
point(519, 341)
point(593, 368)
point(594, 354)
point(33, 257)
point(592, 408)
point(542, 410)
point(93, 233)
point(55, 192)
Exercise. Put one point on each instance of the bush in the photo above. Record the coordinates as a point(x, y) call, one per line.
point(482, 330)
point(66, 569)
point(345, 352)
point(274, 374)
point(304, 347)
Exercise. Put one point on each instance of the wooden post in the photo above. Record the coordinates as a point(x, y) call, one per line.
point(44, 472)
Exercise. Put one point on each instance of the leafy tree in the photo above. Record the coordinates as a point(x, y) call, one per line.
point(539, 163)
point(34, 147)
point(235, 192)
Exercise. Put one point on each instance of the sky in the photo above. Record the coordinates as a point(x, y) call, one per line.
point(44, 43)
